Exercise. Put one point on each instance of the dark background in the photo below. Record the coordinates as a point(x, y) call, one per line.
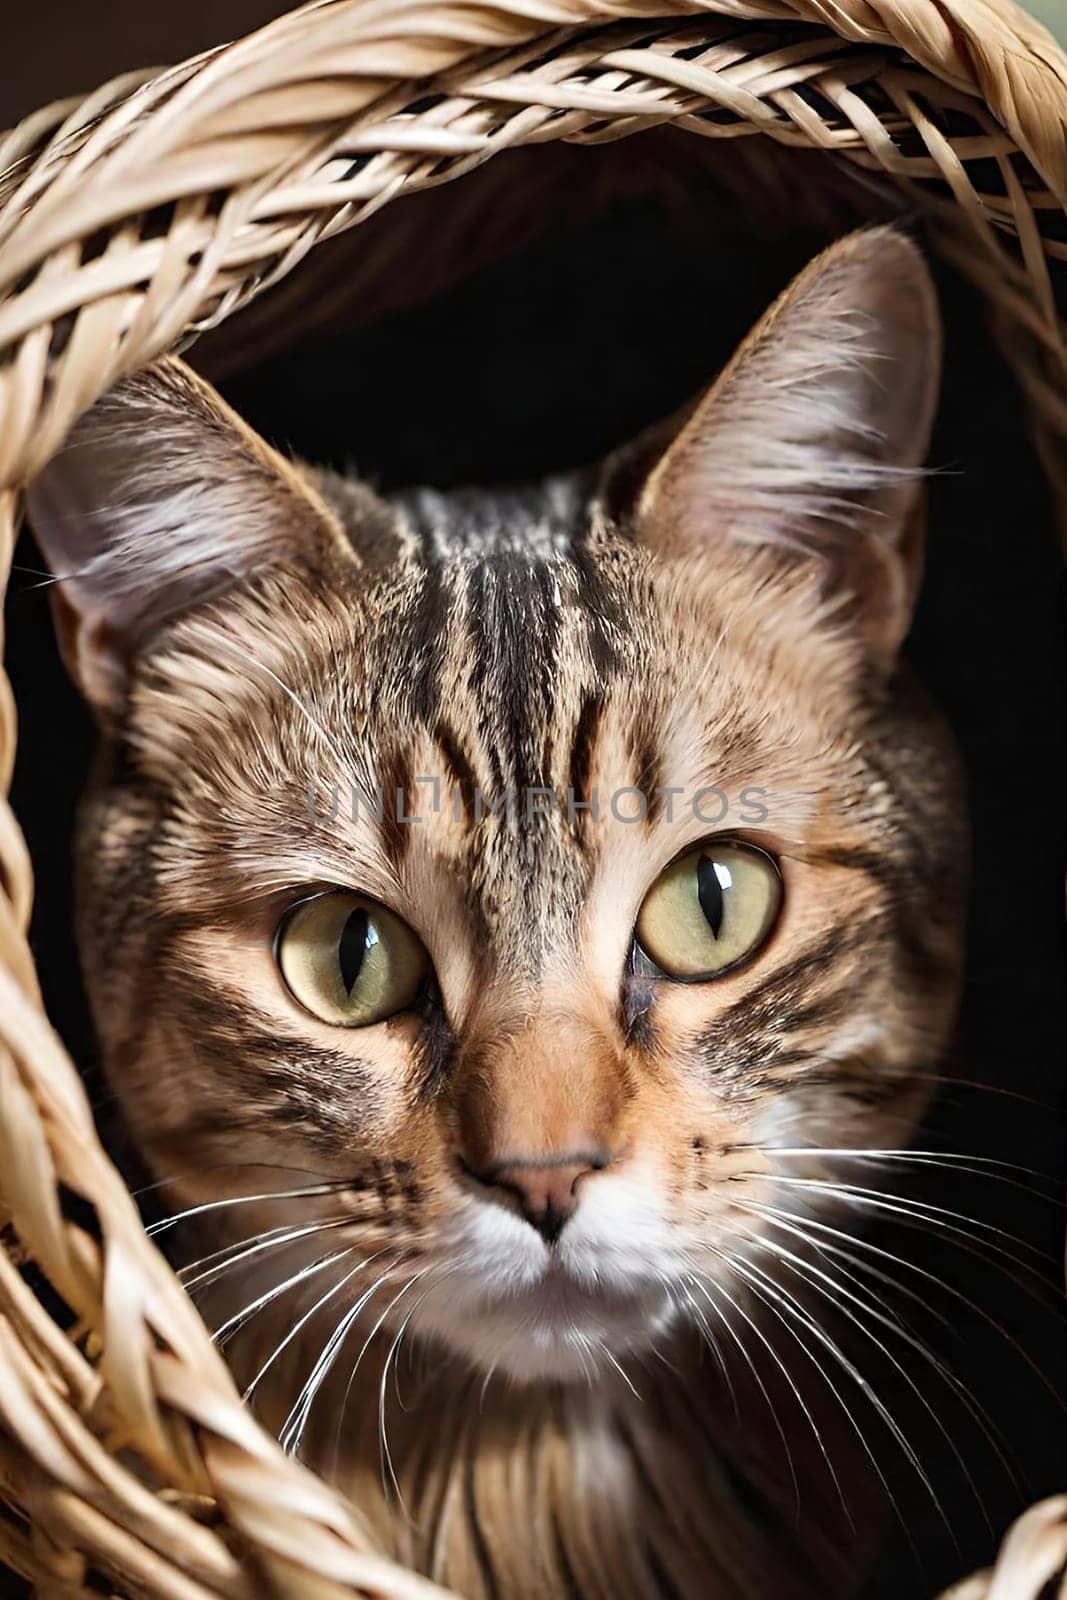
point(547, 359)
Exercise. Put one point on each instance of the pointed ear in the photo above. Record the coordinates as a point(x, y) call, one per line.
point(161, 500)
point(811, 442)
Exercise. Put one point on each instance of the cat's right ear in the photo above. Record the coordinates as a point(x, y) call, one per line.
point(162, 499)
point(808, 450)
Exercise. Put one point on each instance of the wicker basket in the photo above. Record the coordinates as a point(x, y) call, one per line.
point(153, 210)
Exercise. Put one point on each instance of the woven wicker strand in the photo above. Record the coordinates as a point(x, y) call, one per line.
point(154, 209)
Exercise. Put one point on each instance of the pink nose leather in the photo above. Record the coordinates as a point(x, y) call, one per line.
point(547, 1191)
point(548, 1195)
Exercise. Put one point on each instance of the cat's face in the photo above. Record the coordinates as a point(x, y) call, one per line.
point(554, 871)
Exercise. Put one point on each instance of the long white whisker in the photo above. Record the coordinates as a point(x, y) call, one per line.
point(302, 1323)
point(951, 1379)
point(241, 1318)
point(385, 1455)
point(979, 1166)
point(585, 1356)
point(164, 1224)
point(854, 1242)
point(486, 1381)
point(772, 1294)
point(336, 1342)
point(833, 1289)
point(220, 1262)
point(712, 1344)
point(728, 1260)
point(860, 1243)
point(705, 1288)
point(906, 1206)
point(882, 1409)
point(606, 1353)
point(227, 1166)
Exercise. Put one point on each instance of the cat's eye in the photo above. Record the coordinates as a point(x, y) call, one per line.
point(348, 960)
point(711, 910)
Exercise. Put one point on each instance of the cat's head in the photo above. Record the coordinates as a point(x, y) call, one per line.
point(553, 869)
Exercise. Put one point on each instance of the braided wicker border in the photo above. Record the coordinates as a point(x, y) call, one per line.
point(154, 209)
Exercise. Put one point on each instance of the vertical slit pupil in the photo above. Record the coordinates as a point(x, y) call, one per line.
point(709, 893)
point(352, 947)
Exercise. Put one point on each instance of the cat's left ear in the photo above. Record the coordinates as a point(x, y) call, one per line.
point(163, 499)
point(811, 442)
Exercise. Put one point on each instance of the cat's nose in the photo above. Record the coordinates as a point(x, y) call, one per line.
point(547, 1191)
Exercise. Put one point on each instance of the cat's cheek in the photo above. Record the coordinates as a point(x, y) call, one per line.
point(228, 1046)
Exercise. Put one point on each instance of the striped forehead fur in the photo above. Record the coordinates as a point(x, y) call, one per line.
point(537, 522)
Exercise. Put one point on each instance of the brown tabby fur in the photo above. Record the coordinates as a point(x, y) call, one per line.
point(250, 632)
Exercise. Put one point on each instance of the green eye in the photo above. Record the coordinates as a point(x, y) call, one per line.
point(349, 961)
point(710, 910)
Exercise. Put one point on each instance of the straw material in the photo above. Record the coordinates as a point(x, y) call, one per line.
point(157, 207)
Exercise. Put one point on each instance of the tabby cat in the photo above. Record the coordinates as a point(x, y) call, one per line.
point(505, 911)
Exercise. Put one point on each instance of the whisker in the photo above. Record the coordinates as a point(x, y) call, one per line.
point(706, 1291)
point(339, 1335)
point(447, 1269)
point(233, 1324)
point(486, 1381)
point(585, 1357)
point(823, 1283)
point(712, 1344)
point(787, 1375)
point(904, 1205)
point(772, 1293)
point(939, 1283)
point(606, 1353)
point(979, 1166)
point(302, 1323)
point(164, 1224)
point(210, 1268)
point(858, 1242)
point(784, 1219)
point(946, 1081)
point(223, 1166)
point(384, 1453)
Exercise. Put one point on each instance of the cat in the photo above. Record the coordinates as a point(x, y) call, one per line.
point(502, 913)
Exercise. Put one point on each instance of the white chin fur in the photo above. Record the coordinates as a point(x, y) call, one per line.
point(508, 1303)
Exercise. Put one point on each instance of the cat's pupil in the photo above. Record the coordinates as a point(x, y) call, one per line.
point(709, 892)
point(352, 947)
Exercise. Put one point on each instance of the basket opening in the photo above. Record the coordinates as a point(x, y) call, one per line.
point(630, 314)
point(564, 346)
